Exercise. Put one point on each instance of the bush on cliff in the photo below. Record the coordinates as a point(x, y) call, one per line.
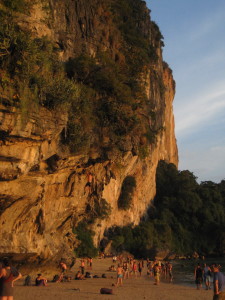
point(32, 64)
point(102, 74)
point(97, 209)
point(86, 246)
point(115, 106)
point(138, 49)
point(102, 93)
point(17, 5)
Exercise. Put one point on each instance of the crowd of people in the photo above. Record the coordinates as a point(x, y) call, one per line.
point(125, 268)
point(204, 274)
point(129, 267)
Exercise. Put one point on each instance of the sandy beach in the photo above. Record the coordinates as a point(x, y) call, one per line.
point(139, 288)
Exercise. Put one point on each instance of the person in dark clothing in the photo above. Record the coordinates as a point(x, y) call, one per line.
point(40, 281)
point(198, 276)
point(140, 268)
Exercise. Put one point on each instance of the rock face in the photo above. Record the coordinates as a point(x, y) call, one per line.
point(45, 192)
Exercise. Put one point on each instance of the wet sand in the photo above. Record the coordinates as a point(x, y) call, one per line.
point(139, 288)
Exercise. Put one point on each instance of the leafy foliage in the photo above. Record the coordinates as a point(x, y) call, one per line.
point(102, 74)
point(100, 209)
point(139, 51)
point(186, 217)
point(32, 63)
point(86, 247)
point(17, 5)
point(196, 211)
point(33, 75)
point(103, 94)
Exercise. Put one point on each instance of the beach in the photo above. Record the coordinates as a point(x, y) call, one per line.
point(133, 288)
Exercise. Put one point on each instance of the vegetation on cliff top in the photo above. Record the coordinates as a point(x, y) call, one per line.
point(102, 94)
point(131, 18)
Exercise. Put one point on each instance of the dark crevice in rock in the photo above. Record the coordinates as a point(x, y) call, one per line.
point(69, 186)
point(12, 177)
point(3, 134)
point(92, 162)
point(52, 163)
point(9, 158)
point(17, 138)
point(40, 222)
point(35, 168)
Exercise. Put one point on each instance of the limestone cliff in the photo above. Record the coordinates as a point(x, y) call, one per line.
point(44, 187)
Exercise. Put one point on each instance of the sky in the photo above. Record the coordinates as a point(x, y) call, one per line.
point(194, 38)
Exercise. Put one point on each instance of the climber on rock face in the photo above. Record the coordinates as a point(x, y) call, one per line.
point(88, 186)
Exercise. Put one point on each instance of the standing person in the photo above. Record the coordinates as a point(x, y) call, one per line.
point(140, 268)
point(126, 270)
point(114, 259)
point(218, 283)
point(63, 268)
point(169, 270)
point(8, 275)
point(119, 275)
point(207, 275)
point(151, 268)
point(82, 265)
point(134, 268)
point(198, 276)
point(148, 263)
point(90, 262)
point(156, 271)
point(163, 269)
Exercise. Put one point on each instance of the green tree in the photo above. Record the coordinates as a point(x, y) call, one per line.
point(86, 246)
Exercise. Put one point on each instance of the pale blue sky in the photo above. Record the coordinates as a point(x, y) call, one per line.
point(194, 37)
